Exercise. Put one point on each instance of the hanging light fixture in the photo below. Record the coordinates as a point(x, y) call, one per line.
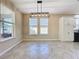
point(39, 10)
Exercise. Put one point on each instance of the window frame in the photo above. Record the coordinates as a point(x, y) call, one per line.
point(33, 26)
point(43, 25)
point(76, 25)
point(38, 26)
point(9, 23)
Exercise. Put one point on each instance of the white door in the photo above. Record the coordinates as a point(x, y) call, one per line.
point(67, 29)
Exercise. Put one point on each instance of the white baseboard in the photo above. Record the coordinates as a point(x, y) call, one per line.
point(64, 40)
point(40, 40)
point(9, 48)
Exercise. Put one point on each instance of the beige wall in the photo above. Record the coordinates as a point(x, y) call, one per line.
point(18, 26)
point(53, 28)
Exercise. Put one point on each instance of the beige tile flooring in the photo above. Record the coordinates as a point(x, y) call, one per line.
point(44, 50)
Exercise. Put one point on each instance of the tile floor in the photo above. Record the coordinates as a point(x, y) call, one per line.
point(44, 50)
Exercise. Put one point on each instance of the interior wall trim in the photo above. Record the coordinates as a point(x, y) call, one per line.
point(4, 52)
point(34, 40)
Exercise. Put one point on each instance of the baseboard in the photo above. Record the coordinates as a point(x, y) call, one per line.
point(1, 54)
point(66, 40)
point(34, 40)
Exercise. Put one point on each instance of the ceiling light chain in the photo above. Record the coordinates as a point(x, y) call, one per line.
point(40, 13)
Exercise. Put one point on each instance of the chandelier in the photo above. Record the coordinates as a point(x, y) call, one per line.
point(39, 10)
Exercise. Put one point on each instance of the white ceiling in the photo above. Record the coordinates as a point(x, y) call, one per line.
point(51, 6)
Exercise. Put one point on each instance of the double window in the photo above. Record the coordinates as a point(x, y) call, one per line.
point(6, 26)
point(38, 26)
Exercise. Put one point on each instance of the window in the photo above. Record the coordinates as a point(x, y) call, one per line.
point(33, 24)
point(38, 25)
point(43, 25)
point(77, 22)
point(6, 26)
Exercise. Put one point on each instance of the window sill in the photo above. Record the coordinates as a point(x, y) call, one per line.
point(6, 39)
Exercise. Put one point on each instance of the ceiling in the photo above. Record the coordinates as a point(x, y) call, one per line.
point(51, 6)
